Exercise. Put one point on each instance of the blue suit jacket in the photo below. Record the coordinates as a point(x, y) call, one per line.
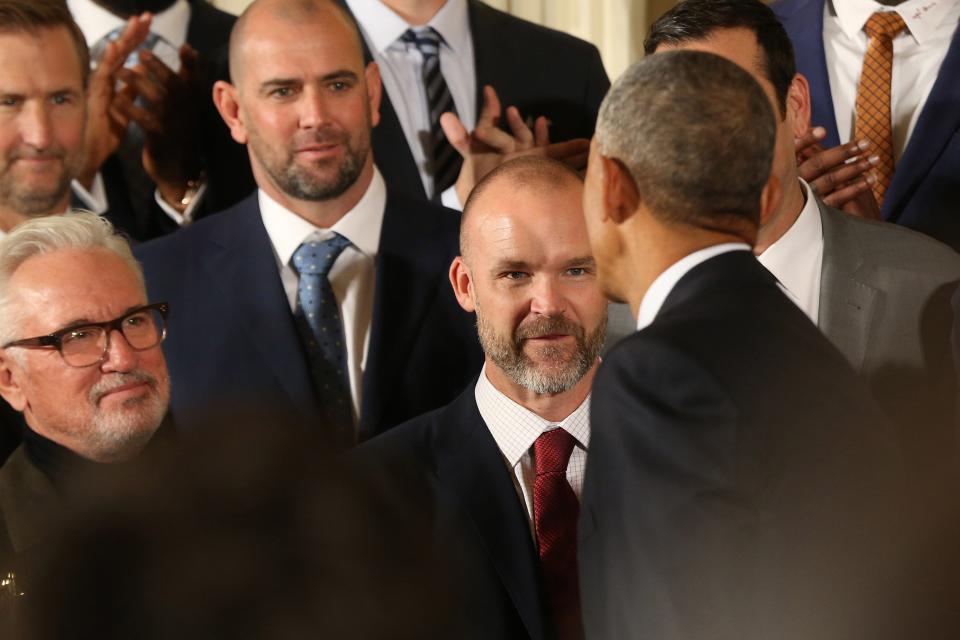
point(232, 338)
point(448, 460)
point(925, 192)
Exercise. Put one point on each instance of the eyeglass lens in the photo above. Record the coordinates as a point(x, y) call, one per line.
point(83, 346)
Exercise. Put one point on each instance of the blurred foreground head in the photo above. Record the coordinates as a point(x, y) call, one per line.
point(240, 532)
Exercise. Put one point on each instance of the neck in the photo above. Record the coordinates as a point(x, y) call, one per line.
point(782, 219)
point(415, 12)
point(320, 213)
point(657, 248)
point(552, 407)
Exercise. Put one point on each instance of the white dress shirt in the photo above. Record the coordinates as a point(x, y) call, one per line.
point(918, 53)
point(96, 22)
point(352, 275)
point(661, 287)
point(401, 68)
point(515, 428)
point(796, 258)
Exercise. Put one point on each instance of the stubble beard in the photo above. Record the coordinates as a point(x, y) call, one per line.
point(559, 369)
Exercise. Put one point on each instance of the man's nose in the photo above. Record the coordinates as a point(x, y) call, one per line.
point(547, 298)
point(120, 355)
point(35, 125)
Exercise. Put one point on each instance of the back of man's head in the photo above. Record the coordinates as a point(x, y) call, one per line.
point(693, 20)
point(30, 16)
point(696, 133)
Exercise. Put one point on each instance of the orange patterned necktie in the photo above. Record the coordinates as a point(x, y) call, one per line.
point(874, 121)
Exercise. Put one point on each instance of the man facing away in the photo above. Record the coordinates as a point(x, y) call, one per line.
point(880, 293)
point(741, 482)
point(323, 293)
point(503, 464)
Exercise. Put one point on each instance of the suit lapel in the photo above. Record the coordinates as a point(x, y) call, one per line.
point(937, 125)
point(243, 267)
point(846, 301)
point(408, 273)
point(472, 467)
point(804, 23)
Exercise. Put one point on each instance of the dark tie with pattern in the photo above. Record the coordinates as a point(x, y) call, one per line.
point(444, 160)
point(319, 318)
point(555, 512)
point(874, 120)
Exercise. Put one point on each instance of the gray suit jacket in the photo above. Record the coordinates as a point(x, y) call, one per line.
point(885, 303)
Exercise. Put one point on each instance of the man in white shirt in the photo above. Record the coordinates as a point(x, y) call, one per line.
point(324, 292)
point(742, 483)
point(485, 57)
point(832, 43)
point(879, 293)
point(526, 269)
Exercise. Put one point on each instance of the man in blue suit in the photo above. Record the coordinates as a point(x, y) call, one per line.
point(830, 43)
point(503, 464)
point(322, 294)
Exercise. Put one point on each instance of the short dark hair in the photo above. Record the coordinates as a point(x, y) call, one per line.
point(30, 16)
point(696, 133)
point(697, 19)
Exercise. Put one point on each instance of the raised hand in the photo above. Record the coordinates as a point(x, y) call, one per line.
point(487, 146)
point(106, 125)
point(839, 176)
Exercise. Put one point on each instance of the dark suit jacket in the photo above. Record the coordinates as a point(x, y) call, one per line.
point(232, 338)
point(885, 303)
point(28, 502)
point(538, 70)
point(229, 178)
point(448, 460)
point(926, 187)
point(740, 478)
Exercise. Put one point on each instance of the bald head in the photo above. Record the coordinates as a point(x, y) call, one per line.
point(262, 16)
point(535, 175)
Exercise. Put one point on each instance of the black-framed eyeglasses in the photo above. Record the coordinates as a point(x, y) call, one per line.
point(84, 345)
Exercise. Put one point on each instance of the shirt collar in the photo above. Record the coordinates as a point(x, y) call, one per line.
point(95, 21)
point(383, 27)
point(515, 428)
point(922, 16)
point(657, 294)
point(782, 257)
point(361, 225)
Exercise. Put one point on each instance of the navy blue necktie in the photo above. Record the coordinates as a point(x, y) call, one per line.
point(317, 309)
point(444, 160)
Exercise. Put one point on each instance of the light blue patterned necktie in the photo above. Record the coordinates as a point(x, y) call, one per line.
point(319, 315)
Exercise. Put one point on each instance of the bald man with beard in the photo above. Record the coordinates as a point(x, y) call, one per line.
point(503, 463)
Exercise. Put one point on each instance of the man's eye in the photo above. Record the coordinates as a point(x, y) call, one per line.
point(514, 275)
point(9, 101)
point(578, 271)
point(136, 321)
point(282, 92)
point(339, 85)
point(62, 98)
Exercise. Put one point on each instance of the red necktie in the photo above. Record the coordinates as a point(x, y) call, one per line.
point(555, 512)
point(874, 121)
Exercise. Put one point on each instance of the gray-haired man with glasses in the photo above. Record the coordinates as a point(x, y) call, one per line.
point(79, 359)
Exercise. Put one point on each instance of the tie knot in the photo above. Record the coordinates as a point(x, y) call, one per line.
point(552, 450)
point(426, 39)
point(317, 257)
point(884, 24)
